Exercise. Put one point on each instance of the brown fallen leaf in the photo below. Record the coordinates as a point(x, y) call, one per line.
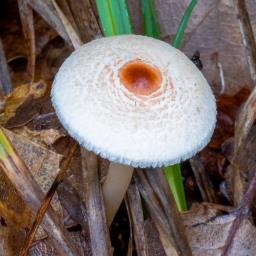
point(207, 227)
point(213, 30)
point(19, 95)
point(43, 138)
point(43, 248)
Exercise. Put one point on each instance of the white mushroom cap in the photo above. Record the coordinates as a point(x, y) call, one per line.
point(134, 100)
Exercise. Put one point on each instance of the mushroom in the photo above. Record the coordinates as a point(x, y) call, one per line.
point(136, 101)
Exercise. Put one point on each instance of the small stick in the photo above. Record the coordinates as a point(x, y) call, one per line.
point(173, 217)
point(247, 36)
point(47, 200)
point(245, 122)
point(73, 35)
point(99, 234)
point(134, 205)
point(205, 186)
point(247, 114)
point(162, 208)
point(27, 22)
point(241, 213)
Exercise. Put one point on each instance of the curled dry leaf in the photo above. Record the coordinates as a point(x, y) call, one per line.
point(207, 227)
point(19, 95)
point(36, 111)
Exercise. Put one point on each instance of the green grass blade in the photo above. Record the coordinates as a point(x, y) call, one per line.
point(114, 17)
point(121, 17)
point(150, 26)
point(5, 146)
point(173, 173)
point(106, 19)
point(174, 178)
point(177, 40)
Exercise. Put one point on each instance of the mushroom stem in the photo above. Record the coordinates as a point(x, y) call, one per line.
point(115, 187)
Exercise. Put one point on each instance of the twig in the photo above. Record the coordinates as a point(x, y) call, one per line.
point(47, 200)
point(205, 186)
point(73, 35)
point(247, 36)
point(27, 21)
point(17, 172)
point(247, 114)
point(5, 80)
point(46, 9)
point(170, 208)
point(133, 202)
point(85, 19)
point(245, 121)
point(241, 213)
point(99, 234)
point(163, 211)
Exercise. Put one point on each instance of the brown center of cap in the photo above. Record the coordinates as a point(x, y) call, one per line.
point(140, 78)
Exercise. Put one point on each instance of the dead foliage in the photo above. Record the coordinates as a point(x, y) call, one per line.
point(50, 195)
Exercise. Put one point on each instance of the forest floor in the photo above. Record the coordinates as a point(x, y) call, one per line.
point(220, 181)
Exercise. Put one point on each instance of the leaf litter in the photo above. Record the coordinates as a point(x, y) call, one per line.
point(41, 142)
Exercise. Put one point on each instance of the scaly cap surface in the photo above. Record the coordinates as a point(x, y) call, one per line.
point(134, 100)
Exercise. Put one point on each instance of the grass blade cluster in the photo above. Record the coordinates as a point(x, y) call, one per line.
point(114, 17)
point(150, 26)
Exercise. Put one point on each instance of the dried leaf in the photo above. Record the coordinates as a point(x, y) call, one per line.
point(41, 248)
point(213, 30)
point(42, 137)
point(44, 165)
point(208, 226)
point(20, 95)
